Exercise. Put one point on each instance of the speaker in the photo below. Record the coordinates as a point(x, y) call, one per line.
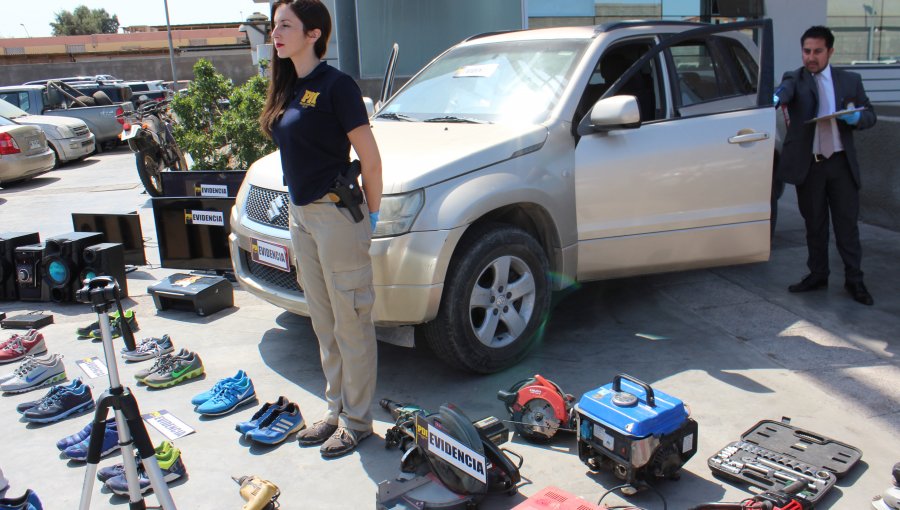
point(9, 241)
point(28, 273)
point(105, 259)
point(63, 262)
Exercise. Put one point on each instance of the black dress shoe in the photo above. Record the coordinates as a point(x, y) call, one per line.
point(810, 282)
point(859, 292)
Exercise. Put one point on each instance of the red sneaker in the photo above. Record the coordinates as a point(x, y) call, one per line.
point(19, 346)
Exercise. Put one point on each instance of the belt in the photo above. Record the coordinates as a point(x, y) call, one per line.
point(818, 158)
point(328, 198)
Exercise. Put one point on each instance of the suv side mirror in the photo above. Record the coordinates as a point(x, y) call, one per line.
point(616, 112)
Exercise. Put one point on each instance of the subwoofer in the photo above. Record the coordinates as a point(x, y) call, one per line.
point(105, 259)
point(63, 262)
point(28, 273)
point(9, 241)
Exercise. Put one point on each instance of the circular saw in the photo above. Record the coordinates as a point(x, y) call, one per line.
point(538, 408)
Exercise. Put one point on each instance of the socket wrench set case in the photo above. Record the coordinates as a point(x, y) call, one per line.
point(773, 454)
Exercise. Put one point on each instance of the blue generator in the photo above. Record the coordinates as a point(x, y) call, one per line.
point(639, 433)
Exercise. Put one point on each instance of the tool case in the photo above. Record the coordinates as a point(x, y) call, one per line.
point(773, 454)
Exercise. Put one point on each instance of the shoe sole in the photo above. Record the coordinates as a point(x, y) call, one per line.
point(166, 384)
point(167, 477)
point(333, 455)
point(246, 400)
point(127, 357)
point(300, 426)
point(46, 382)
point(32, 353)
point(80, 407)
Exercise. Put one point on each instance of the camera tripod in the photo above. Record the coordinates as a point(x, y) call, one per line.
point(101, 292)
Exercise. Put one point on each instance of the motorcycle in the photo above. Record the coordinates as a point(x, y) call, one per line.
point(148, 131)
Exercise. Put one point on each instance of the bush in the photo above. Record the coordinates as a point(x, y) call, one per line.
point(218, 122)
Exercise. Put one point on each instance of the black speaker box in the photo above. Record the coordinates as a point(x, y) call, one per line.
point(63, 262)
point(105, 259)
point(28, 273)
point(9, 241)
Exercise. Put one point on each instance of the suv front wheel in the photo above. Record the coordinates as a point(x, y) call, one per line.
point(495, 300)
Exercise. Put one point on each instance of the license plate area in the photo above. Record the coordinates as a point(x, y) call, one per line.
point(270, 254)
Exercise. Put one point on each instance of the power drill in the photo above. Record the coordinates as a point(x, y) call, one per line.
point(258, 493)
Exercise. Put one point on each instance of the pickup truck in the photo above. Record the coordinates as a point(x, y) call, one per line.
point(517, 164)
point(59, 99)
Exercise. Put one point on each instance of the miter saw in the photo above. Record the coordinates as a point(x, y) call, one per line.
point(449, 461)
point(538, 408)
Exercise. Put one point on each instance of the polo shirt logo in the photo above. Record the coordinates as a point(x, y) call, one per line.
point(309, 99)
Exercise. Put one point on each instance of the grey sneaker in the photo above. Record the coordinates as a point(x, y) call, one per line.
point(342, 442)
point(32, 374)
point(317, 434)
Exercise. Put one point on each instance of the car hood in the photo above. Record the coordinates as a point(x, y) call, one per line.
point(415, 154)
point(48, 120)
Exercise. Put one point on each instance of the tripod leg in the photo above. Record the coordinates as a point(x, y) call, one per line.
point(98, 429)
point(135, 497)
point(144, 446)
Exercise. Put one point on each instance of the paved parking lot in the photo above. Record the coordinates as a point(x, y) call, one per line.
point(731, 342)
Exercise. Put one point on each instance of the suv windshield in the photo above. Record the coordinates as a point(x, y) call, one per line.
point(518, 81)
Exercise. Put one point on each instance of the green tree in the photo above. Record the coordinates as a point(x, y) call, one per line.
point(84, 21)
point(218, 122)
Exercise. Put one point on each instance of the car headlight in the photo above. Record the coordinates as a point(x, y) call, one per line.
point(65, 132)
point(398, 213)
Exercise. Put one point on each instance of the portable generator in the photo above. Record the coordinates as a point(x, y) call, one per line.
point(640, 433)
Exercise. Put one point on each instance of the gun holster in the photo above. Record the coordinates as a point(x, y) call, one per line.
point(346, 187)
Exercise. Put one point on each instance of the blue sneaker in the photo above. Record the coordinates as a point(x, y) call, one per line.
point(28, 501)
point(79, 436)
point(110, 443)
point(278, 426)
point(212, 392)
point(24, 406)
point(232, 395)
point(63, 403)
point(264, 412)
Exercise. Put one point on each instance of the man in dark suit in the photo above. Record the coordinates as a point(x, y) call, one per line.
point(820, 159)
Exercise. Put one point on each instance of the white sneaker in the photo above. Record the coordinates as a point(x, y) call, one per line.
point(34, 373)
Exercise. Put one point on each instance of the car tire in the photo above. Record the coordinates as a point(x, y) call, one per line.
point(56, 161)
point(83, 101)
point(101, 98)
point(495, 301)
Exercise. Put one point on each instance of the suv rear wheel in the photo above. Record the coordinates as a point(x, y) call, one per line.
point(495, 300)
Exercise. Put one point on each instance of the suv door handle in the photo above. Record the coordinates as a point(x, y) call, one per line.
point(748, 137)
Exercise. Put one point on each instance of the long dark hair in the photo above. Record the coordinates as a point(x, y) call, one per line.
point(314, 15)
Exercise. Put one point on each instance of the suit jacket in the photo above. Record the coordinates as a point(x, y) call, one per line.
point(798, 92)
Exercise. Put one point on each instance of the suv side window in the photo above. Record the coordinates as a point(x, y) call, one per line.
point(24, 103)
point(705, 82)
point(10, 97)
point(746, 68)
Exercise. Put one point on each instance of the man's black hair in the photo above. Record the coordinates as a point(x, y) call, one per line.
point(819, 32)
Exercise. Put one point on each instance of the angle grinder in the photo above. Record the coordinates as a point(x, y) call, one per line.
point(538, 408)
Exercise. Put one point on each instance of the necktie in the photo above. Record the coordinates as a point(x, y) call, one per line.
point(824, 132)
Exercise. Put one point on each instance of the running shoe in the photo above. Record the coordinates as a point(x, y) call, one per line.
point(231, 395)
point(149, 348)
point(79, 436)
point(170, 464)
point(24, 406)
point(65, 402)
point(206, 395)
point(79, 451)
point(30, 360)
point(180, 369)
point(278, 426)
point(32, 374)
point(28, 501)
point(260, 415)
point(19, 346)
point(163, 452)
point(115, 325)
point(162, 362)
point(85, 332)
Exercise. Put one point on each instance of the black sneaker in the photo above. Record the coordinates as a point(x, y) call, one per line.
point(115, 325)
point(63, 403)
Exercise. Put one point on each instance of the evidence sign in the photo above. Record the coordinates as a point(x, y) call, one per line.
point(438, 442)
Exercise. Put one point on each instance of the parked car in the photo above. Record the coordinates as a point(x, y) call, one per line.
point(74, 79)
point(69, 138)
point(24, 152)
point(520, 163)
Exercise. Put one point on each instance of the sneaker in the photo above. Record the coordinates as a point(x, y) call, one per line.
point(180, 369)
point(200, 398)
point(278, 426)
point(30, 360)
point(170, 464)
point(149, 348)
point(260, 415)
point(24, 406)
point(162, 362)
point(85, 332)
point(65, 402)
point(33, 374)
point(342, 442)
point(79, 436)
point(79, 451)
point(19, 346)
point(115, 325)
point(230, 396)
point(163, 451)
point(28, 501)
point(317, 434)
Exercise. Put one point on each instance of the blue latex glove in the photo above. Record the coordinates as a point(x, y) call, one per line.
point(373, 219)
point(851, 118)
point(775, 100)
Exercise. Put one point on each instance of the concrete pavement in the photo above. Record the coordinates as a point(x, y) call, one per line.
point(731, 342)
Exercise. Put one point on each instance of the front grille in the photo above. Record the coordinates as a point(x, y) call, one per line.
point(272, 276)
point(80, 130)
point(264, 207)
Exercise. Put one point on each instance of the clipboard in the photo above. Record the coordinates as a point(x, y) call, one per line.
point(836, 114)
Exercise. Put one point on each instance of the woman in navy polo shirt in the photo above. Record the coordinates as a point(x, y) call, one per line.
point(315, 113)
